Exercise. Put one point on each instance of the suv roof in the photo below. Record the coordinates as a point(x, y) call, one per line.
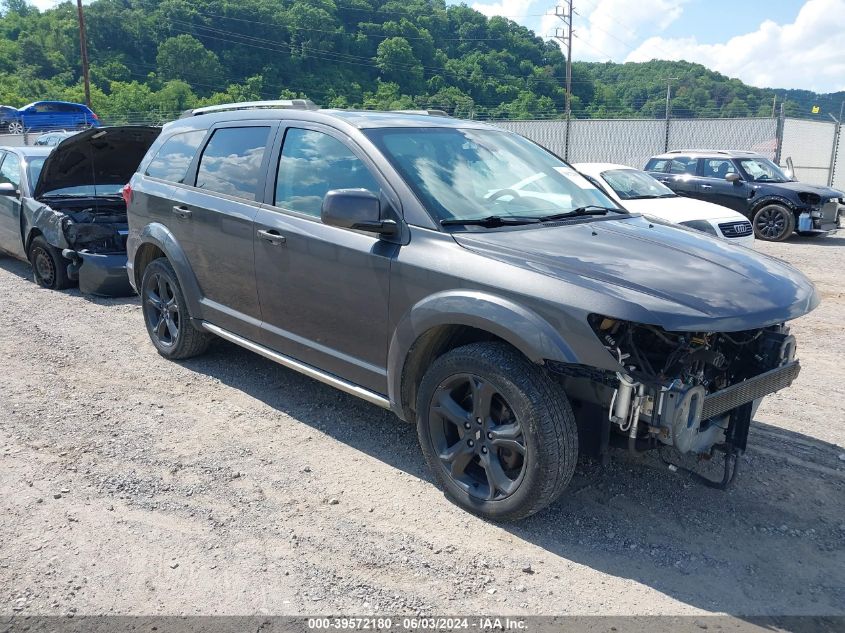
point(730, 153)
point(304, 110)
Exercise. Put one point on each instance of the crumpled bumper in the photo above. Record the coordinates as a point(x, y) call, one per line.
point(99, 273)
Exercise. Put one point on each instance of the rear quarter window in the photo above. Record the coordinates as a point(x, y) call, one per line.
point(656, 164)
point(173, 158)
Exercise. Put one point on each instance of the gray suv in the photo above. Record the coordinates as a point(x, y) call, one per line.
point(464, 278)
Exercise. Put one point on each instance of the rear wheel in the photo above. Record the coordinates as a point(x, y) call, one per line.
point(49, 267)
point(166, 313)
point(497, 432)
point(774, 223)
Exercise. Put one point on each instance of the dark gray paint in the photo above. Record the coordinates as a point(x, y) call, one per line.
point(352, 304)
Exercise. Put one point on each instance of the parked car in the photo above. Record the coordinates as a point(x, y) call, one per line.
point(53, 115)
point(8, 117)
point(388, 255)
point(637, 191)
point(753, 185)
point(61, 208)
point(53, 137)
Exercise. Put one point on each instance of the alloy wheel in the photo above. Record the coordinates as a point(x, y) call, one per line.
point(15, 127)
point(161, 310)
point(771, 223)
point(477, 437)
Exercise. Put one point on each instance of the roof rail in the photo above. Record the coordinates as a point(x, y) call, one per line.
point(726, 152)
point(424, 112)
point(286, 104)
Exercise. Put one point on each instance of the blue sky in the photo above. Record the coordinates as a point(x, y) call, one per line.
point(772, 43)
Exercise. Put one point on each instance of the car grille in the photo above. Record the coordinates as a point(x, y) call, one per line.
point(736, 229)
point(721, 402)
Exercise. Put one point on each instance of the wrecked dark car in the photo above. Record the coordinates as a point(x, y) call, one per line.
point(62, 210)
point(466, 279)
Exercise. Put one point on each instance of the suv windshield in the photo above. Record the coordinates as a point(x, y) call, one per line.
point(632, 184)
point(762, 170)
point(466, 174)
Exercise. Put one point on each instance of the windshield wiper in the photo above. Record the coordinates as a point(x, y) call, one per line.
point(491, 221)
point(590, 209)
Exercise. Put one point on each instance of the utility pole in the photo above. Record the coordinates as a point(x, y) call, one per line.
point(774, 104)
point(564, 34)
point(83, 48)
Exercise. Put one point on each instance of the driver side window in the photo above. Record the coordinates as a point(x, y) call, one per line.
point(312, 164)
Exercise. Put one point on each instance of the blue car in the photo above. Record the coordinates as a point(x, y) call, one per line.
point(51, 115)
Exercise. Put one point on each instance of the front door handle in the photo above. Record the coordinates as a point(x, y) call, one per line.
point(182, 212)
point(272, 236)
point(706, 186)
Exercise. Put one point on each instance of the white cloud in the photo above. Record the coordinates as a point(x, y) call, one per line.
point(808, 53)
point(509, 8)
point(609, 29)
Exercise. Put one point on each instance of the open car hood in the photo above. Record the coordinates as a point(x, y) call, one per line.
point(99, 156)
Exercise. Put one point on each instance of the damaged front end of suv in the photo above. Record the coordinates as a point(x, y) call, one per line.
point(694, 391)
point(77, 206)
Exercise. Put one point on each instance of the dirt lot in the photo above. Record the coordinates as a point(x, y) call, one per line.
point(230, 485)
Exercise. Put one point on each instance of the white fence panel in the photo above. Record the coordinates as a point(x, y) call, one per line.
point(756, 135)
point(624, 141)
point(810, 145)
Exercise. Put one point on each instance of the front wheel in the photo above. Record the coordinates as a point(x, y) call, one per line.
point(15, 127)
point(497, 432)
point(774, 223)
point(166, 313)
point(49, 267)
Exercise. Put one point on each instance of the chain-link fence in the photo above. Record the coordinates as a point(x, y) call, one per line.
point(817, 148)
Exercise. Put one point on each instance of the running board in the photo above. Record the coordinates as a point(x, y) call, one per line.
point(302, 368)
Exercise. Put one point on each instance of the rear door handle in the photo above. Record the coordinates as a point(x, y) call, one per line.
point(272, 236)
point(182, 212)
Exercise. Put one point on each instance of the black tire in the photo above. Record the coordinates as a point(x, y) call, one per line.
point(49, 267)
point(166, 313)
point(525, 404)
point(773, 223)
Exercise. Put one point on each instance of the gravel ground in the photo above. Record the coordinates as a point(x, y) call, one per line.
point(230, 485)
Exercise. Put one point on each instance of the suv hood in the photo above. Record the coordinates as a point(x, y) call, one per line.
point(99, 156)
point(824, 192)
point(679, 279)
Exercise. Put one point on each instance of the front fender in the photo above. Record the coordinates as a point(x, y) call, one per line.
point(524, 329)
point(160, 236)
point(772, 199)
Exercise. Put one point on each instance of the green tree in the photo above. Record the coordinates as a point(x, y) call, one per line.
point(397, 62)
point(184, 57)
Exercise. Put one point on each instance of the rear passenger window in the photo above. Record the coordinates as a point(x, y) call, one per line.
point(174, 157)
point(311, 165)
point(231, 162)
point(683, 165)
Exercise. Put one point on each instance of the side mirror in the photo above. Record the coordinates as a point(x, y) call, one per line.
point(8, 189)
point(733, 177)
point(356, 209)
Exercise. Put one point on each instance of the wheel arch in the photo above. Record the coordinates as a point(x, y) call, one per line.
point(772, 199)
point(157, 241)
point(447, 320)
